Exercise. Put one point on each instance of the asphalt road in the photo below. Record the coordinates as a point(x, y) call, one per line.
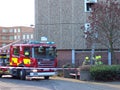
point(55, 83)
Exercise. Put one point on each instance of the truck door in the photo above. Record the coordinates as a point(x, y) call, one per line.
point(27, 56)
point(14, 59)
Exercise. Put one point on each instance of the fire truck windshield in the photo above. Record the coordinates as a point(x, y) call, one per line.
point(44, 52)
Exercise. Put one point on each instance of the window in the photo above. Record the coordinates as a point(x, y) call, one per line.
point(15, 30)
point(31, 36)
point(18, 36)
point(15, 37)
point(89, 4)
point(11, 30)
point(16, 51)
point(11, 38)
point(4, 30)
point(3, 44)
point(42, 52)
point(4, 38)
point(23, 36)
point(27, 36)
point(18, 29)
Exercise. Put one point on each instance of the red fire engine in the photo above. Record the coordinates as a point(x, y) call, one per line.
point(34, 59)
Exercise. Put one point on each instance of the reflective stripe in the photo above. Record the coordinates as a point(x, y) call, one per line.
point(15, 60)
point(18, 64)
point(3, 56)
point(26, 61)
point(10, 63)
point(86, 58)
point(98, 57)
point(26, 53)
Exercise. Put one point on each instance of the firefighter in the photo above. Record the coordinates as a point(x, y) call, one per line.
point(98, 60)
point(86, 61)
point(27, 53)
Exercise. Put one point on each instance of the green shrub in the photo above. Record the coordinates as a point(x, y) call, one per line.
point(105, 72)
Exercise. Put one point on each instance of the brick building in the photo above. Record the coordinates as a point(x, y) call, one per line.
point(61, 21)
point(11, 34)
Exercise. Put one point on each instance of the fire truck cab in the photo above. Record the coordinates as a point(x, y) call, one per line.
point(34, 59)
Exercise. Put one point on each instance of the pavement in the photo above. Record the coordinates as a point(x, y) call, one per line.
point(113, 84)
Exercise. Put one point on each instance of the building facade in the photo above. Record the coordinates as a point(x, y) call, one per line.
point(61, 21)
point(11, 34)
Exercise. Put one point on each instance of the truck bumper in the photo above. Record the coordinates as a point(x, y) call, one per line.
point(38, 74)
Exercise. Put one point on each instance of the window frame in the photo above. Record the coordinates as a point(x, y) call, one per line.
point(86, 2)
point(16, 51)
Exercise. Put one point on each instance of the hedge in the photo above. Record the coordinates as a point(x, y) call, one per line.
point(105, 72)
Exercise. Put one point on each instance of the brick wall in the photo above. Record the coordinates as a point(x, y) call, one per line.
point(65, 57)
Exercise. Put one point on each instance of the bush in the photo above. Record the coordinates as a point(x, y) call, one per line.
point(105, 72)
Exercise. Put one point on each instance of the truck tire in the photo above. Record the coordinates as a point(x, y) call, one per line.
point(46, 77)
point(23, 74)
point(0, 75)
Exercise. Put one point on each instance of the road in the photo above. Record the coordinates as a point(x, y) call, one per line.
point(55, 83)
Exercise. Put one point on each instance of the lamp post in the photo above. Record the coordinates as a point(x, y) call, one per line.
point(95, 36)
point(33, 27)
point(92, 54)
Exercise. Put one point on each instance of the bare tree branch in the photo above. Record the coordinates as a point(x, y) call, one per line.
point(105, 21)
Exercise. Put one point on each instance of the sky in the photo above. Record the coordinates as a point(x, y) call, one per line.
point(16, 13)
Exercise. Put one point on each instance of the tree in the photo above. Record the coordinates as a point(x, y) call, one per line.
point(105, 25)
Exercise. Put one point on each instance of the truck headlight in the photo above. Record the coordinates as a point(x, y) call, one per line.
point(34, 70)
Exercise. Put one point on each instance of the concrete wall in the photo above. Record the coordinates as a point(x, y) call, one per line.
point(61, 21)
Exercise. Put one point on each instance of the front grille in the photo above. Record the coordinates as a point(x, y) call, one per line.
point(45, 62)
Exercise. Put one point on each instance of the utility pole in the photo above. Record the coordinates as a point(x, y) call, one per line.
point(92, 53)
point(95, 36)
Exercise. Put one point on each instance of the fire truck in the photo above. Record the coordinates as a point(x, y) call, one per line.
point(33, 59)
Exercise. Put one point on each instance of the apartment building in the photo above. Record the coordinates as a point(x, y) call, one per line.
point(61, 21)
point(11, 34)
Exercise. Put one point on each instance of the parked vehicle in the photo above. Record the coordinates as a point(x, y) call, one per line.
point(33, 59)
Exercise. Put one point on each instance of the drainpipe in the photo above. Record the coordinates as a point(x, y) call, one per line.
point(109, 57)
point(73, 57)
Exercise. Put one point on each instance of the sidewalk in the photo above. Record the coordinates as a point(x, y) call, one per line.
point(114, 84)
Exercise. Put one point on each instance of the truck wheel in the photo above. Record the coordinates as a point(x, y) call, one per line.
point(17, 75)
point(0, 75)
point(23, 74)
point(46, 77)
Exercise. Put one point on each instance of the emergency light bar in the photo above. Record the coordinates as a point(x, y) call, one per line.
point(37, 42)
point(34, 42)
point(50, 42)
